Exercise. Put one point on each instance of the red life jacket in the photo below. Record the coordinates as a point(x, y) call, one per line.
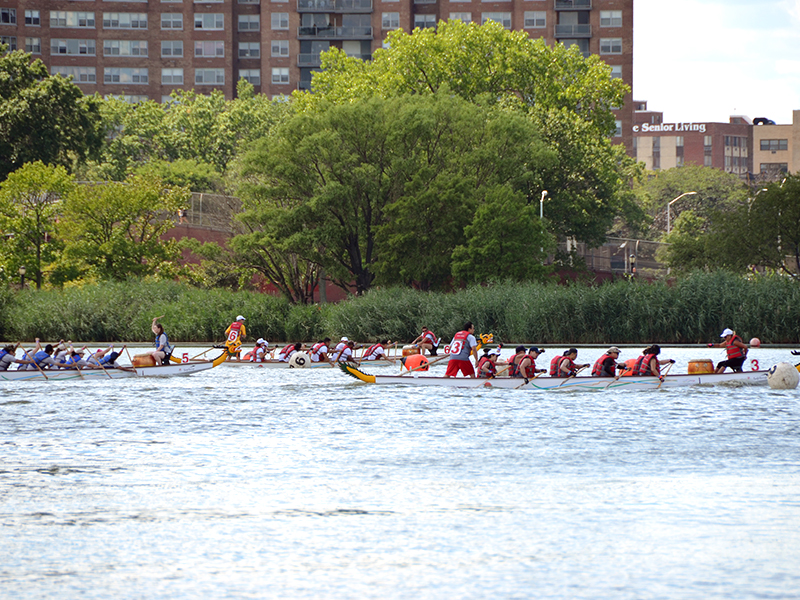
point(431, 337)
point(735, 351)
point(530, 370)
point(492, 368)
point(555, 364)
point(315, 348)
point(631, 367)
point(371, 350)
point(252, 355)
point(644, 365)
point(513, 370)
point(597, 369)
point(286, 349)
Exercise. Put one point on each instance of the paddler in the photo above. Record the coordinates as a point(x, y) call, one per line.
point(286, 353)
point(462, 347)
point(565, 365)
point(427, 340)
point(649, 363)
point(487, 365)
point(606, 365)
point(736, 351)
point(519, 354)
point(376, 352)
point(235, 333)
point(346, 353)
point(8, 357)
point(259, 353)
point(106, 359)
point(319, 351)
point(526, 366)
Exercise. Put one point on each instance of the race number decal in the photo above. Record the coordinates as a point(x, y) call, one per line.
point(185, 357)
point(456, 347)
point(232, 337)
point(754, 365)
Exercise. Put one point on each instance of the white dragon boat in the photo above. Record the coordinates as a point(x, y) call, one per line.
point(561, 384)
point(94, 374)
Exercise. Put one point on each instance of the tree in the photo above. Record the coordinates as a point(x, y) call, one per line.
point(43, 118)
point(506, 240)
point(29, 207)
point(113, 230)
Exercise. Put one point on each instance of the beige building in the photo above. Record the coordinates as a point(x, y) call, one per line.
point(776, 148)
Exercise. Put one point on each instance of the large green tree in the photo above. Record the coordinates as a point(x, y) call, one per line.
point(42, 117)
point(29, 207)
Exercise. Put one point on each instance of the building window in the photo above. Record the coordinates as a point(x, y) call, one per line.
point(172, 76)
point(774, 145)
point(209, 21)
point(504, 18)
point(280, 21)
point(616, 72)
point(280, 47)
point(73, 47)
point(774, 168)
point(79, 74)
point(280, 75)
point(171, 21)
point(253, 49)
point(172, 48)
point(610, 18)
point(209, 76)
point(124, 21)
point(10, 41)
point(390, 20)
point(249, 22)
point(125, 75)
point(250, 1)
point(464, 17)
point(209, 49)
point(535, 19)
point(250, 75)
point(33, 18)
point(124, 48)
point(617, 128)
point(424, 21)
point(8, 16)
point(33, 45)
point(611, 46)
point(68, 18)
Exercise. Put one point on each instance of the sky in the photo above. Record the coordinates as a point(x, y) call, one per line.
point(705, 60)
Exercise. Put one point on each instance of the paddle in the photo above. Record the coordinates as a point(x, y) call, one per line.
point(573, 376)
point(35, 363)
point(664, 374)
point(527, 381)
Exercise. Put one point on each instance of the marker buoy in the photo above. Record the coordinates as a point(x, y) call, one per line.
point(755, 343)
point(299, 360)
point(415, 360)
point(783, 376)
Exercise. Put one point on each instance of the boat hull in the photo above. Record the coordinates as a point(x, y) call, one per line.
point(560, 384)
point(276, 364)
point(170, 370)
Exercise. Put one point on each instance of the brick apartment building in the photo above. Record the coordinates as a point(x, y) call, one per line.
point(146, 48)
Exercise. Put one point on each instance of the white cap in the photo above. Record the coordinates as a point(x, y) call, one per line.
point(726, 332)
point(344, 339)
point(240, 318)
point(495, 352)
point(261, 341)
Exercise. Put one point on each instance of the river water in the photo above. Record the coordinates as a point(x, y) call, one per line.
point(262, 483)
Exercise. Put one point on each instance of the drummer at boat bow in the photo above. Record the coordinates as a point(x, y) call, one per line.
point(565, 366)
point(462, 347)
point(163, 348)
point(427, 340)
point(606, 365)
point(736, 351)
point(235, 334)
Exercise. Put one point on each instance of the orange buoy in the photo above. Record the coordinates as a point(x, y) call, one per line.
point(415, 360)
point(701, 366)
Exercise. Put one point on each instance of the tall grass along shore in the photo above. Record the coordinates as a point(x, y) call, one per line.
point(692, 310)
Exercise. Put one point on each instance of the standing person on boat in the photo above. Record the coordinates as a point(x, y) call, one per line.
point(235, 334)
point(427, 340)
point(606, 365)
point(487, 365)
point(736, 350)
point(163, 348)
point(376, 352)
point(285, 354)
point(565, 365)
point(8, 356)
point(259, 353)
point(462, 347)
point(319, 351)
point(649, 363)
point(526, 366)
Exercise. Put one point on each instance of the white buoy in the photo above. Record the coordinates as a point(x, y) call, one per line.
point(299, 360)
point(755, 343)
point(783, 376)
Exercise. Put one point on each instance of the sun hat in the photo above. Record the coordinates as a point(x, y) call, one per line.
point(344, 339)
point(240, 318)
point(726, 332)
point(612, 350)
point(495, 352)
point(261, 341)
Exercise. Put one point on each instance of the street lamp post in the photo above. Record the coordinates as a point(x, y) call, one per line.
point(671, 202)
point(22, 271)
point(541, 204)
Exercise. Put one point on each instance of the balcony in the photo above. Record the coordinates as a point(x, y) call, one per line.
point(331, 32)
point(573, 4)
point(314, 60)
point(573, 31)
point(334, 6)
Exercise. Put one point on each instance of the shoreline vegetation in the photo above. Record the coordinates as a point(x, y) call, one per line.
point(692, 310)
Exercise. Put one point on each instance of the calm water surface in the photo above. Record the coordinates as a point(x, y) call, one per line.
point(256, 483)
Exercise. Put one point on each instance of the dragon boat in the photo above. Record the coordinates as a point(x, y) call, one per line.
point(94, 374)
point(541, 383)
